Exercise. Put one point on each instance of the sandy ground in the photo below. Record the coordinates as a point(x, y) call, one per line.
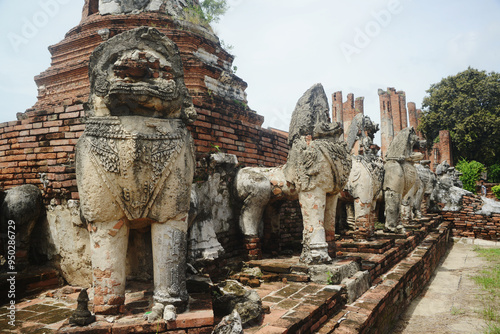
point(452, 301)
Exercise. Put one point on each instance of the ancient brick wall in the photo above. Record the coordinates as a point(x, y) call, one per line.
point(393, 115)
point(467, 223)
point(226, 126)
point(344, 112)
point(40, 150)
point(441, 151)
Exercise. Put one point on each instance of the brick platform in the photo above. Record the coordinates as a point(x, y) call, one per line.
point(49, 313)
point(296, 307)
point(293, 304)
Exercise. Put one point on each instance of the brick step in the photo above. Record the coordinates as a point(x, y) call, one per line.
point(377, 309)
point(297, 307)
point(290, 269)
point(379, 246)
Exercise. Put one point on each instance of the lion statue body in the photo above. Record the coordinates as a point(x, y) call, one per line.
point(363, 193)
point(316, 170)
point(400, 175)
point(135, 163)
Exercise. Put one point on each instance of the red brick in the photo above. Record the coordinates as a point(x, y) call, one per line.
point(193, 320)
point(68, 115)
point(41, 131)
point(79, 127)
point(76, 107)
point(42, 156)
point(203, 124)
point(11, 134)
point(60, 142)
point(52, 124)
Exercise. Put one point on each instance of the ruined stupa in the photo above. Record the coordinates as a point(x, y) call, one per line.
point(40, 146)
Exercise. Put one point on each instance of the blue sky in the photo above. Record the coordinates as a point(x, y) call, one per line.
point(283, 47)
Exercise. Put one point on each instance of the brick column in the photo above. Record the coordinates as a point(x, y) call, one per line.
point(402, 109)
point(386, 129)
point(253, 248)
point(412, 114)
point(419, 114)
point(445, 147)
point(395, 110)
point(337, 108)
point(349, 113)
point(359, 105)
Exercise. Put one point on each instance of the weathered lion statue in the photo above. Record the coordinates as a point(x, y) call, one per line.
point(135, 163)
point(316, 171)
point(448, 192)
point(420, 193)
point(400, 174)
point(364, 187)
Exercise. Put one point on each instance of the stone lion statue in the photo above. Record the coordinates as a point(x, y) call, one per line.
point(316, 171)
point(135, 163)
point(364, 187)
point(419, 195)
point(400, 174)
point(448, 192)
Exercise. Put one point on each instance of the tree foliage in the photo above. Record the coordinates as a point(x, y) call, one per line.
point(494, 173)
point(471, 173)
point(207, 11)
point(468, 105)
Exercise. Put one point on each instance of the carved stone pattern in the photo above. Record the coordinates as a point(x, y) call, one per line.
point(155, 149)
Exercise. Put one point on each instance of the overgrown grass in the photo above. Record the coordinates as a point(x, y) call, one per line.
point(489, 280)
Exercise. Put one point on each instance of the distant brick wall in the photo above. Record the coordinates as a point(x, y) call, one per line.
point(466, 223)
point(441, 151)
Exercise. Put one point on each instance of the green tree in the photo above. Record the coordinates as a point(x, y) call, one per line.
point(468, 105)
point(494, 173)
point(206, 12)
point(213, 10)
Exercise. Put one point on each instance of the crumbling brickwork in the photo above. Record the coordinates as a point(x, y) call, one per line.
point(469, 223)
point(394, 116)
point(441, 150)
point(344, 112)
